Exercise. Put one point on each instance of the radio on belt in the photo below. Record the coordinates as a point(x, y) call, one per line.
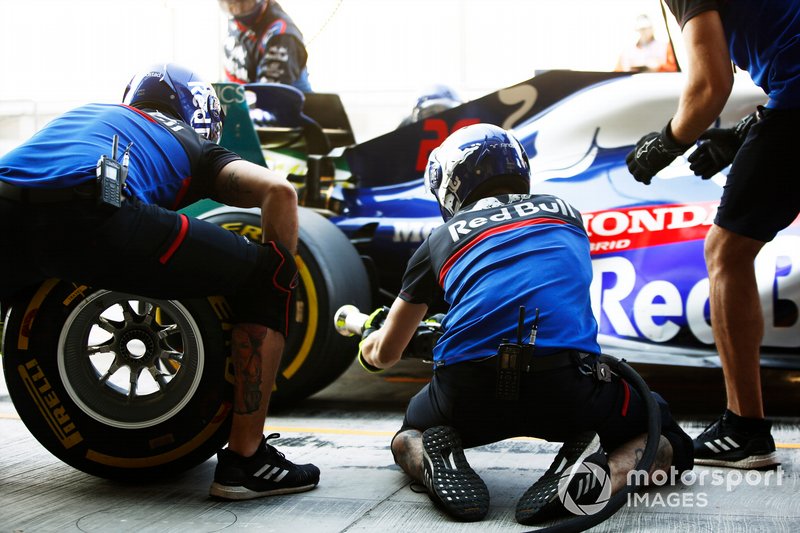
point(111, 175)
point(513, 359)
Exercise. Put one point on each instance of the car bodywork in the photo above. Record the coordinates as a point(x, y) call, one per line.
point(108, 411)
point(650, 289)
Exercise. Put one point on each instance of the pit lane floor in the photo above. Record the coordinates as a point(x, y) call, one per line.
point(346, 430)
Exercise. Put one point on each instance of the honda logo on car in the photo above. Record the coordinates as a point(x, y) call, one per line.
point(648, 226)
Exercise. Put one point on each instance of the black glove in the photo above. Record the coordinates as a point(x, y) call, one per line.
point(425, 338)
point(653, 152)
point(371, 325)
point(718, 146)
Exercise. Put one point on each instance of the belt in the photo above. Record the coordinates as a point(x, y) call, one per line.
point(561, 359)
point(543, 363)
point(36, 195)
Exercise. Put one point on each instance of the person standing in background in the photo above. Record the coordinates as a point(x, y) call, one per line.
point(648, 54)
point(264, 45)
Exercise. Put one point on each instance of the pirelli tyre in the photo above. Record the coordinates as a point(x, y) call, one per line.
point(332, 274)
point(116, 385)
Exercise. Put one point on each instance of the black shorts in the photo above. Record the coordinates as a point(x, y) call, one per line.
point(554, 405)
point(762, 194)
point(147, 250)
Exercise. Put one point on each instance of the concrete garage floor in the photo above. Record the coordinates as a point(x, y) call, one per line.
point(345, 430)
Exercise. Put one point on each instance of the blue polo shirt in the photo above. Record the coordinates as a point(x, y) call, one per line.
point(497, 255)
point(763, 39)
point(168, 159)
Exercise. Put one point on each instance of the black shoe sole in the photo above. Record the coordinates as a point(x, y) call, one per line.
point(541, 501)
point(452, 484)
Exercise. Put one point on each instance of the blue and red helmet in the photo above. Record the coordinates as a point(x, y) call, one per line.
point(471, 157)
point(180, 92)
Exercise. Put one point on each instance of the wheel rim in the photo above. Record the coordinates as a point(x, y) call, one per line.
point(128, 361)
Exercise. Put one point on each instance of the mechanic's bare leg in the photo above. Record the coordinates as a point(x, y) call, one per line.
point(256, 352)
point(437, 456)
point(624, 458)
point(407, 451)
point(736, 318)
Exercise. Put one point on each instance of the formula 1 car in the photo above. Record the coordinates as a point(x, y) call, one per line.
point(127, 387)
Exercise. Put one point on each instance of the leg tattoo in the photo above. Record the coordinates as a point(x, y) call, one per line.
point(247, 342)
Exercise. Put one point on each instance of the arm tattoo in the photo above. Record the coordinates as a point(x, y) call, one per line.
point(233, 186)
point(247, 362)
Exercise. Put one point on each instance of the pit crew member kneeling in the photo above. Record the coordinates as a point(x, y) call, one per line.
point(103, 183)
point(501, 249)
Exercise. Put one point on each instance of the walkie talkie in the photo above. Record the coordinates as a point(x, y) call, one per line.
point(111, 176)
point(513, 359)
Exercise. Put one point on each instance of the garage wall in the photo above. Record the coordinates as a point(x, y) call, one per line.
point(378, 54)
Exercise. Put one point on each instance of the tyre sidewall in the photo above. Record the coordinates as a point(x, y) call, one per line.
point(30, 361)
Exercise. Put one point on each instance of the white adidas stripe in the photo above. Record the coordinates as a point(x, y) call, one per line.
point(725, 444)
point(268, 471)
point(732, 442)
point(448, 460)
point(262, 470)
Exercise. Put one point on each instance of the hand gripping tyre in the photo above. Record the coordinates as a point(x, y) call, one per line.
point(331, 275)
point(116, 385)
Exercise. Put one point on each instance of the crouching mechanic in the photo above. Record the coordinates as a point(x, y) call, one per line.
point(131, 239)
point(502, 248)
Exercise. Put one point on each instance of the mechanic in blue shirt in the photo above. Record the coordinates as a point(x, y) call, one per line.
point(264, 45)
point(501, 248)
point(168, 126)
point(761, 197)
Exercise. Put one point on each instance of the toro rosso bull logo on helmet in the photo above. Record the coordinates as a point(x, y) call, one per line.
point(206, 119)
point(449, 184)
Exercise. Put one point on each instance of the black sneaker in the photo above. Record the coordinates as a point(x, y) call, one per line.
point(736, 442)
point(452, 484)
point(265, 473)
point(577, 481)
